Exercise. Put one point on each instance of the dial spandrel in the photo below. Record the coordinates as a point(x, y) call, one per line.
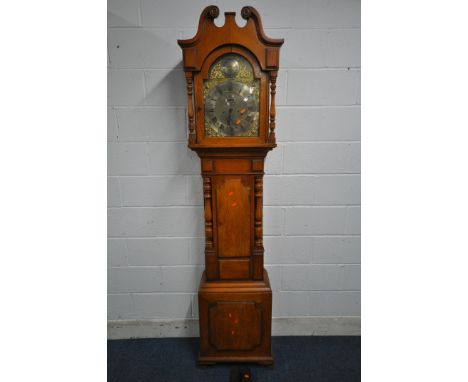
point(231, 98)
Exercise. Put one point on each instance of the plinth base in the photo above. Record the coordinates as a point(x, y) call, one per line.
point(235, 321)
point(207, 361)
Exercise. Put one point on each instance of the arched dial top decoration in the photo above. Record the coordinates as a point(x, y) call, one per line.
point(231, 73)
point(231, 98)
point(209, 36)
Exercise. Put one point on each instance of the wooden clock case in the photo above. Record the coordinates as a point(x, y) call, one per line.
point(234, 296)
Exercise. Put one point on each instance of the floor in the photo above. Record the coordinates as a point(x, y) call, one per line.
point(174, 359)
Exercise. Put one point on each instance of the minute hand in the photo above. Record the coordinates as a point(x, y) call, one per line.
point(229, 118)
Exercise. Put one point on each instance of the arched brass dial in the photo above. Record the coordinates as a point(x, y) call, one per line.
point(231, 98)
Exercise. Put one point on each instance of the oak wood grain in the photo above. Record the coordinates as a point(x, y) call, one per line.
point(234, 296)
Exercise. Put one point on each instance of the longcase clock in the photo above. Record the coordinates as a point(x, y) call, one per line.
point(231, 76)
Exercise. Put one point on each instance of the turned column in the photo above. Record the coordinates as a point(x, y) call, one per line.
point(272, 136)
point(190, 111)
point(257, 257)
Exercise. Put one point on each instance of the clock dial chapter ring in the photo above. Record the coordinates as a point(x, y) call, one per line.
point(231, 109)
point(231, 98)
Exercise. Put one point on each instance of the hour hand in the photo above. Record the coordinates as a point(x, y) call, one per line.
point(229, 117)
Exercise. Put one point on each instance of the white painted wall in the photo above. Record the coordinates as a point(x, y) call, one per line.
point(312, 186)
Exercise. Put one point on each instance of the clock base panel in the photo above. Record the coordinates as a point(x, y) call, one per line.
point(235, 321)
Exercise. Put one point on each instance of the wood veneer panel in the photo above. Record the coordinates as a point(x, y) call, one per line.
point(235, 325)
point(233, 200)
point(235, 269)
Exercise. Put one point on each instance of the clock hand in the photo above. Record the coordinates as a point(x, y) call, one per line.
point(229, 117)
point(238, 120)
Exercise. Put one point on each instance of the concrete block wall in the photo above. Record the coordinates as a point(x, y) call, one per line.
point(312, 186)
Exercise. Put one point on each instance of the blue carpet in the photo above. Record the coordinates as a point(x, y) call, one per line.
point(318, 359)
